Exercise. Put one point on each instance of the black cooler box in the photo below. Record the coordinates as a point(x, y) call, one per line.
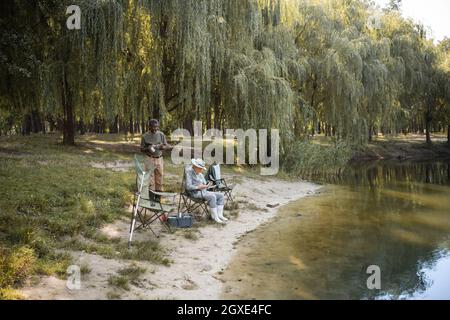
point(184, 221)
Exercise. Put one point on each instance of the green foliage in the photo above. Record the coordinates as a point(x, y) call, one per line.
point(313, 160)
point(291, 65)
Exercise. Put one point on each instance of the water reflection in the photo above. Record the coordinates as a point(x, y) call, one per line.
point(381, 173)
point(393, 216)
point(434, 277)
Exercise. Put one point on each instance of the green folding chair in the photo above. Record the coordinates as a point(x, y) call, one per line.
point(186, 203)
point(219, 184)
point(148, 207)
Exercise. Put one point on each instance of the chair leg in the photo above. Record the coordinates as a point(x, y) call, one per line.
point(183, 204)
point(147, 221)
point(230, 196)
point(156, 235)
point(205, 210)
point(133, 223)
point(179, 203)
point(166, 225)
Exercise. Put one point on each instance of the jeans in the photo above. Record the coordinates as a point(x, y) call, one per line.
point(156, 177)
point(214, 199)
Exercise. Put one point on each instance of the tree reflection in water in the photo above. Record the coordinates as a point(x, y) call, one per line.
point(396, 216)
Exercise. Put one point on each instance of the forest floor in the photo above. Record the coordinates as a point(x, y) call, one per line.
point(74, 205)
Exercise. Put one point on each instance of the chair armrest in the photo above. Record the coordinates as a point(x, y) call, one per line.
point(194, 190)
point(164, 194)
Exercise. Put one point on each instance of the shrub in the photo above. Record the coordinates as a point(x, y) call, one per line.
point(16, 265)
point(311, 160)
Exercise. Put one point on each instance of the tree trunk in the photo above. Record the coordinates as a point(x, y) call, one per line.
point(188, 125)
point(428, 120)
point(116, 124)
point(448, 134)
point(95, 125)
point(130, 125)
point(156, 111)
point(217, 103)
point(69, 123)
point(26, 125)
point(143, 122)
point(313, 100)
point(82, 127)
point(36, 122)
point(114, 127)
point(51, 123)
point(327, 130)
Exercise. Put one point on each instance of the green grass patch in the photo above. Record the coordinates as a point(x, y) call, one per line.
point(150, 250)
point(126, 276)
point(16, 264)
point(50, 192)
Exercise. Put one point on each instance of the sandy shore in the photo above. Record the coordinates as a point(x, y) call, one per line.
point(196, 264)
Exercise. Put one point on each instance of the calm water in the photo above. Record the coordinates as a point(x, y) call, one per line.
point(395, 216)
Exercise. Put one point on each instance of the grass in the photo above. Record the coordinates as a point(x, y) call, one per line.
point(85, 269)
point(113, 295)
point(234, 207)
point(50, 192)
point(191, 234)
point(150, 250)
point(126, 276)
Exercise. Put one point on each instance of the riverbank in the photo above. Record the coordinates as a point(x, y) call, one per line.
point(410, 147)
point(197, 257)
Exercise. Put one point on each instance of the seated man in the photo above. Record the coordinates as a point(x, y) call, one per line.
point(197, 187)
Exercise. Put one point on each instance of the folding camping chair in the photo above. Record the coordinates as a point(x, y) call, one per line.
point(187, 203)
point(147, 205)
point(219, 184)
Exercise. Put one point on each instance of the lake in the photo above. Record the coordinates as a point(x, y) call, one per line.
point(395, 216)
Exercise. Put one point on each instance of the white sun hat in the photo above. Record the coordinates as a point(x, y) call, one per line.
point(199, 163)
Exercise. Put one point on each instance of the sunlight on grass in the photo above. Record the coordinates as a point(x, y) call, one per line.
point(51, 193)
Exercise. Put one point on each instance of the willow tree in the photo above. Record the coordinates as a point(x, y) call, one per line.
point(20, 58)
point(443, 112)
point(184, 33)
point(70, 62)
point(334, 88)
point(299, 66)
point(223, 61)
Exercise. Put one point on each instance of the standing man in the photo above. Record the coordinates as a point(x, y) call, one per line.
point(153, 143)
